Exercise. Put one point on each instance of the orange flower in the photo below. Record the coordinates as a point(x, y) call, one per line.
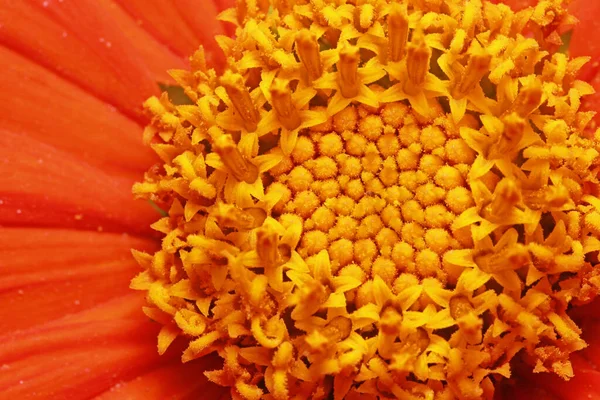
point(75, 76)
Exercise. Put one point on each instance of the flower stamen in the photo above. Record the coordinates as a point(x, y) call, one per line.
point(348, 79)
point(281, 96)
point(528, 99)
point(477, 67)
point(417, 60)
point(233, 159)
point(267, 244)
point(307, 48)
point(240, 98)
point(397, 22)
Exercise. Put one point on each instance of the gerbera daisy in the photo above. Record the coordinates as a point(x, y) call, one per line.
point(371, 200)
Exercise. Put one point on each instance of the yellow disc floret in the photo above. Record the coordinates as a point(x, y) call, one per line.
point(375, 200)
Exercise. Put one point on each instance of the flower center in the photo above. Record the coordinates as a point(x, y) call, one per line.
point(376, 199)
point(378, 191)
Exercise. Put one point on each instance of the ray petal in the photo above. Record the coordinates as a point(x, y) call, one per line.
point(58, 272)
point(43, 186)
point(93, 43)
point(52, 110)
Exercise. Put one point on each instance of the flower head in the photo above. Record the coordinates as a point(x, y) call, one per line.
point(376, 199)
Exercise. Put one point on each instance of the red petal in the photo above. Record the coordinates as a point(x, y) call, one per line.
point(584, 385)
point(517, 4)
point(591, 334)
point(109, 350)
point(77, 359)
point(42, 186)
point(584, 43)
point(169, 22)
point(224, 4)
point(70, 118)
point(58, 272)
point(205, 26)
point(523, 390)
point(91, 42)
point(221, 6)
point(175, 381)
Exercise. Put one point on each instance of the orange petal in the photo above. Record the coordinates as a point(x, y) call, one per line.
point(108, 29)
point(523, 390)
point(73, 359)
point(58, 272)
point(182, 24)
point(224, 4)
point(205, 26)
point(42, 186)
point(591, 334)
point(127, 307)
point(584, 43)
point(175, 381)
point(87, 41)
point(517, 4)
point(584, 385)
point(55, 111)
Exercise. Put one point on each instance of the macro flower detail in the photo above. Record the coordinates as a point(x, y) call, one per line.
point(376, 200)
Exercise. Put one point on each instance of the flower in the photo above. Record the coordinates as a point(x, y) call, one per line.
point(211, 247)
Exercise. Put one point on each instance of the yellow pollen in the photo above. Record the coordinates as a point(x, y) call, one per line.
point(375, 200)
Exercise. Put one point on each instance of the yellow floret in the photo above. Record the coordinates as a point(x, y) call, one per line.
point(375, 199)
point(459, 199)
point(305, 203)
point(323, 167)
point(355, 144)
point(459, 152)
point(448, 177)
point(371, 127)
point(385, 269)
point(345, 120)
point(330, 145)
point(304, 150)
point(313, 242)
point(299, 179)
point(323, 218)
point(349, 166)
point(342, 251)
point(407, 160)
